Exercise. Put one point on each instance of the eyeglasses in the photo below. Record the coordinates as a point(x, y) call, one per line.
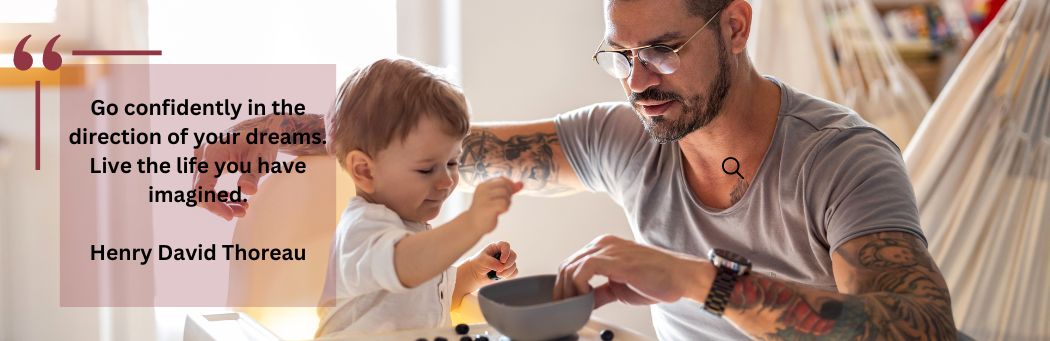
point(658, 58)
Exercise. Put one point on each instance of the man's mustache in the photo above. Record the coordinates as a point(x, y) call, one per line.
point(653, 94)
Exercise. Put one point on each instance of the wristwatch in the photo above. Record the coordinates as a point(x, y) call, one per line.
point(730, 267)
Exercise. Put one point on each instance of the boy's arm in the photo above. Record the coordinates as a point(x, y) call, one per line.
point(422, 256)
point(464, 285)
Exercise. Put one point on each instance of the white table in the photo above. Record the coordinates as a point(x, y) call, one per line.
point(589, 332)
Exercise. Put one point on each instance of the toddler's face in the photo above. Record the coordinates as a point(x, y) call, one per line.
point(414, 177)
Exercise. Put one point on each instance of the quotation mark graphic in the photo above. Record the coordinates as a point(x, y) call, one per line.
point(52, 61)
point(24, 60)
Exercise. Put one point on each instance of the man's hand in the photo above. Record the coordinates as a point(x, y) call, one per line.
point(248, 182)
point(491, 199)
point(637, 274)
point(242, 151)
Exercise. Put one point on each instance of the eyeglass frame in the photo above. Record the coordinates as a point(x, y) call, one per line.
point(634, 50)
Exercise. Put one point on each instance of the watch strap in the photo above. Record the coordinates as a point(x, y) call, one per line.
point(721, 289)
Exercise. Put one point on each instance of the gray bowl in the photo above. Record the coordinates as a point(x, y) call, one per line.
point(522, 309)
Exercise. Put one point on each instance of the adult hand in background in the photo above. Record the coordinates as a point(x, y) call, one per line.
point(215, 154)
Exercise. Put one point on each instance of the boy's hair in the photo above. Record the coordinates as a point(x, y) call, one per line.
point(386, 100)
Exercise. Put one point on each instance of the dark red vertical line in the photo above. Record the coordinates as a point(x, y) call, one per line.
point(37, 125)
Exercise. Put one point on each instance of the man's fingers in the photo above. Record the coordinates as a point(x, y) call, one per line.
point(589, 266)
point(219, 208)
point(561, 290)
point(249, 182)
point(569, 286)
point(240, 209)
point(556, 291)
point(563, 285)
point(207, 182)
point(603, 294)
point(571, 279)
point(587, 250)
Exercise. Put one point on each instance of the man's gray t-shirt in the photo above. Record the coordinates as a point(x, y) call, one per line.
point(827, 177)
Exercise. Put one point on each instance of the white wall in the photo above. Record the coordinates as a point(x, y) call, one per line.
point(29, 228)
point(29, 219)
point(526, 60)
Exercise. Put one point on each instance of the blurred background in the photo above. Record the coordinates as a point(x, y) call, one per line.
point(514, 60)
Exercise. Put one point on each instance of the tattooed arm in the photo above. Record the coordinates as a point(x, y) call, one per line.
point(309, 124)
point(889, 287)
point(529, 152)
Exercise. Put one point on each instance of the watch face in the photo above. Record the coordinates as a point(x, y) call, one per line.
point(724, 258)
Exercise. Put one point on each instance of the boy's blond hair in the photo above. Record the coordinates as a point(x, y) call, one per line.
point(386, 100)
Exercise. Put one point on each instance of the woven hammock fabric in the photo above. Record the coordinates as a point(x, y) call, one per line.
point(980, 165)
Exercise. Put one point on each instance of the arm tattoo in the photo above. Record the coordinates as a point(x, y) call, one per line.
point(305, 124)
point(309, 124)
point(899, 295)
point(525, 158)
point(827, 319)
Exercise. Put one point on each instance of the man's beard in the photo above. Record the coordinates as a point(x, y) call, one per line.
point(697, 112)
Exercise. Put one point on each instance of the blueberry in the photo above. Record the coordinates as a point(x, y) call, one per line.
point(466, 338)
point(440, 339)
point(480, 337)
point(492, 273)
point(462, 329)
point(421, 339)
point(607, 335)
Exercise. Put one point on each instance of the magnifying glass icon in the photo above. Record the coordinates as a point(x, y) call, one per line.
point(736, 167)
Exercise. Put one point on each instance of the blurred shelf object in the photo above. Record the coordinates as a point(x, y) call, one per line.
point(845, 58)
point(880, 4)
point(930, 36)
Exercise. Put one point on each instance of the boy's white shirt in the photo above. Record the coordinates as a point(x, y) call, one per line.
point(369, 298)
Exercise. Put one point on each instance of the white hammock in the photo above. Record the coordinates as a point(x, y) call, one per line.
point(980, 164)
point(835, 49)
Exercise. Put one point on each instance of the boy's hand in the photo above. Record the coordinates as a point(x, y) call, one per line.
point(492, 198)
point(506, 266)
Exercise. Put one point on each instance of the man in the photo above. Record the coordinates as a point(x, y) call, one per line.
point(805, 208)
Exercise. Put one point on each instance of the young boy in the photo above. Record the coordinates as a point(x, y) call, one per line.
point(397, 129)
